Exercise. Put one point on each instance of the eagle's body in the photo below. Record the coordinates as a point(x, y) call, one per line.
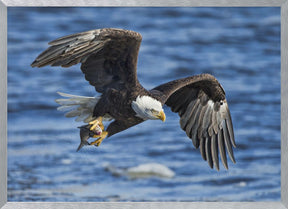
point(117, 103)
point(108, 59)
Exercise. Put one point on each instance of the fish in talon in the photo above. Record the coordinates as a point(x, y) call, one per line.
point(84, 136)
point(86, 133)
point(97, 131)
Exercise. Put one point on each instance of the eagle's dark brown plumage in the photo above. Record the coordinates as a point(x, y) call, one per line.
point(108, 59)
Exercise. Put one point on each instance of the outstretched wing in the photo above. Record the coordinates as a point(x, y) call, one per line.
point(108, 56)
point(204, 115)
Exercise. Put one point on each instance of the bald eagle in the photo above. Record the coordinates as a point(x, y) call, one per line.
point(108, 60)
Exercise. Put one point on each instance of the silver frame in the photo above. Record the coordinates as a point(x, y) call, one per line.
point(145, 205)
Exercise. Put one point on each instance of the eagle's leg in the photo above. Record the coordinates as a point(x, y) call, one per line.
point(98, 141)
point(95, 123)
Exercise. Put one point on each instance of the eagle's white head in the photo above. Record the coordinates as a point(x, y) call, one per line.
point(147, 107)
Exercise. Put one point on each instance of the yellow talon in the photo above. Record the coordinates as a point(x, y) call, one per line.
point(98, 141)
point(101, 126)
point(95, 123)
point(96, 136)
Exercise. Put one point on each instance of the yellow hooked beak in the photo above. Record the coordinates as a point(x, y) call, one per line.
point(161, 116)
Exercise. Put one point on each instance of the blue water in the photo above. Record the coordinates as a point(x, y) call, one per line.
point(239, 46)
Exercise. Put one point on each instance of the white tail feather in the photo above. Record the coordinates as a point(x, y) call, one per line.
point(77, 106)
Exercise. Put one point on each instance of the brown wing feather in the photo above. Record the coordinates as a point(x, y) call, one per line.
point(108, 56)
point(204, 115)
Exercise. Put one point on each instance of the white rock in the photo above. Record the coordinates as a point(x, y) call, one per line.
point(150, 169)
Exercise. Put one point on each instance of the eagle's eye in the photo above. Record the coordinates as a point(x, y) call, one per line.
point(154, 111)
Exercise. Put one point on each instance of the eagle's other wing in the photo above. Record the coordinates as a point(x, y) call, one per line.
point(108, 56)
point(204, 115)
